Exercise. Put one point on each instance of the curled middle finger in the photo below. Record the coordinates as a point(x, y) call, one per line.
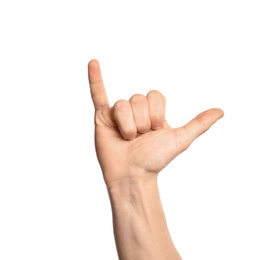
point(140, 107)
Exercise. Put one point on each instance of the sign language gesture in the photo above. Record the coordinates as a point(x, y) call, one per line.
point(133, 138)
point(133, 144)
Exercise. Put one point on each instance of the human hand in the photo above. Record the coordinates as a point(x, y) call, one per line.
point(132, 138)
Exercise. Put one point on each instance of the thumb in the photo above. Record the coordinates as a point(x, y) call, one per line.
point(186, 134)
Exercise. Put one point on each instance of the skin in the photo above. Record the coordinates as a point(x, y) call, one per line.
point(133, 143)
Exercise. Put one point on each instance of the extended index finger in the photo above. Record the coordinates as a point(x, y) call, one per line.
point(97, 88)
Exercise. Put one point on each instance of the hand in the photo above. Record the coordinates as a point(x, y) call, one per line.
point(133, 139)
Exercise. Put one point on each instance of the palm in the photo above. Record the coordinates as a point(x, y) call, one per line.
point(149, 152)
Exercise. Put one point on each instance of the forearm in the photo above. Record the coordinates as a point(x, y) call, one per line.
point(139, 222)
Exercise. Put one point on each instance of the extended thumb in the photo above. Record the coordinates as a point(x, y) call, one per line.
point(186, 134)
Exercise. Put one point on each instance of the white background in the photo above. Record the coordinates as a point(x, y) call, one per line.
point(219, 196)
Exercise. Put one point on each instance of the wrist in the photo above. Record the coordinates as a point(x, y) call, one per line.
point(130, 189)
point(131, 178)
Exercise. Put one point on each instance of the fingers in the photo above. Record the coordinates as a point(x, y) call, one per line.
point(186, 134)
point(139, 114)
point(97, 89)
point(156, 109)
point(140, 108)
point(123, 116)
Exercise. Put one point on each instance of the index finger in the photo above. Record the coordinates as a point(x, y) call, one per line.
point(97, 88)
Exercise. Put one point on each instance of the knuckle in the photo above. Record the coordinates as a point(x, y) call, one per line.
point(121, 104)
point(155, 93)
point(137, 98)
